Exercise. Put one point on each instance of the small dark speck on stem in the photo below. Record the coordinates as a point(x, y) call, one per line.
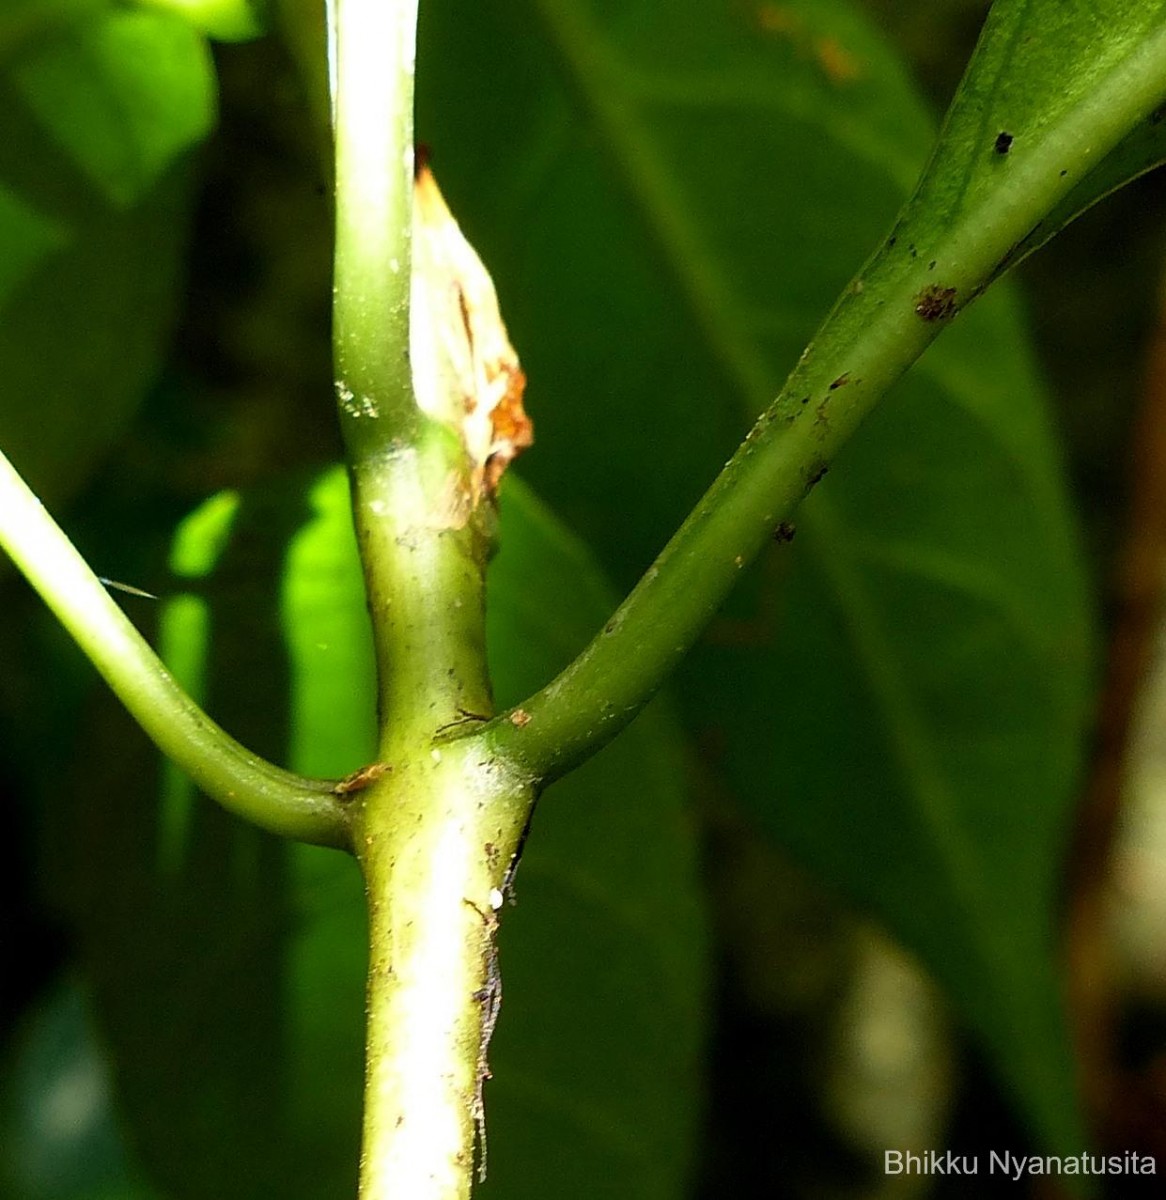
point(841, 381)
point(815, 476)
point(1003, 142)
point(784, 532)
point(936, 303)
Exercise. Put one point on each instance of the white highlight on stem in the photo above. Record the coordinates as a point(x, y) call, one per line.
point(431, 1003)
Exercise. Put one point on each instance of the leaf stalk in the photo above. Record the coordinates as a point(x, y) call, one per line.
point(910, 289)
point(242, 782)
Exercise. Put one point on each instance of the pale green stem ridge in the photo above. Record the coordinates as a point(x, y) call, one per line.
point(424, 560)
point(439, 835)
point(242, 782)
point(435, 834)
point(873, 334)
point(373, 48)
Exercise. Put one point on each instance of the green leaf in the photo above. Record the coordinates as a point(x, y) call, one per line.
point(922, 745)
point(669, 199)
point(239, 962)
point(58, 1132)
point(27, 237)
point(96, 116)
point(224, 20)
point(100, 311)
point(21, 21)
point(599, 1048)
point(124, 94)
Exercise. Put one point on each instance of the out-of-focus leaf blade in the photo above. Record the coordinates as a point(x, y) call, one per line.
point(599, 1047)
point(96, 112)
point(58, 1132)
point(26, 238)
point(83, 335)
point(124, 93)
point(669, 200)
point(24, 20)
point(245, 959)
point(224, 20)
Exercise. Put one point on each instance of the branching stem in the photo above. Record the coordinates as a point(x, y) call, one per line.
point(884, 320)
point(435, 834)
point(372, 49)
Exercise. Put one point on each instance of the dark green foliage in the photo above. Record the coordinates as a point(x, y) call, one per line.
point(903, 706)
point(670, 197)
point(99, 108)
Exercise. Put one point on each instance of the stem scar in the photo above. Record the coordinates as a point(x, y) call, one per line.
point(489, 996)
point(464, 717)
point(359, 780)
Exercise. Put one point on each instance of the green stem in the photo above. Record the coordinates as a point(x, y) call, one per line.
point(373, 47)
point(435, 834)
point(425, 574)
point(435, 841)
point(243, 783)
point(884, 320)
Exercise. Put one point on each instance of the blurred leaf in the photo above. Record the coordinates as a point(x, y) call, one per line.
point(124, 93)
point(239, 962)
point(23, 20)
point(57, 1128)
point(100, 312)
point(26, 238)
point(669, 199)
point(224, 20)
point(598, 1048)
point(669, 204)
point(93, 222)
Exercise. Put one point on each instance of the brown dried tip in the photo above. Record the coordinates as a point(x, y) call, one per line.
point(465, 371)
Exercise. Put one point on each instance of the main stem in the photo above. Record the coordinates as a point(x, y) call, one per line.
point(435, 835)
point(436, 832)
point(372, 47)
point(434, 844)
